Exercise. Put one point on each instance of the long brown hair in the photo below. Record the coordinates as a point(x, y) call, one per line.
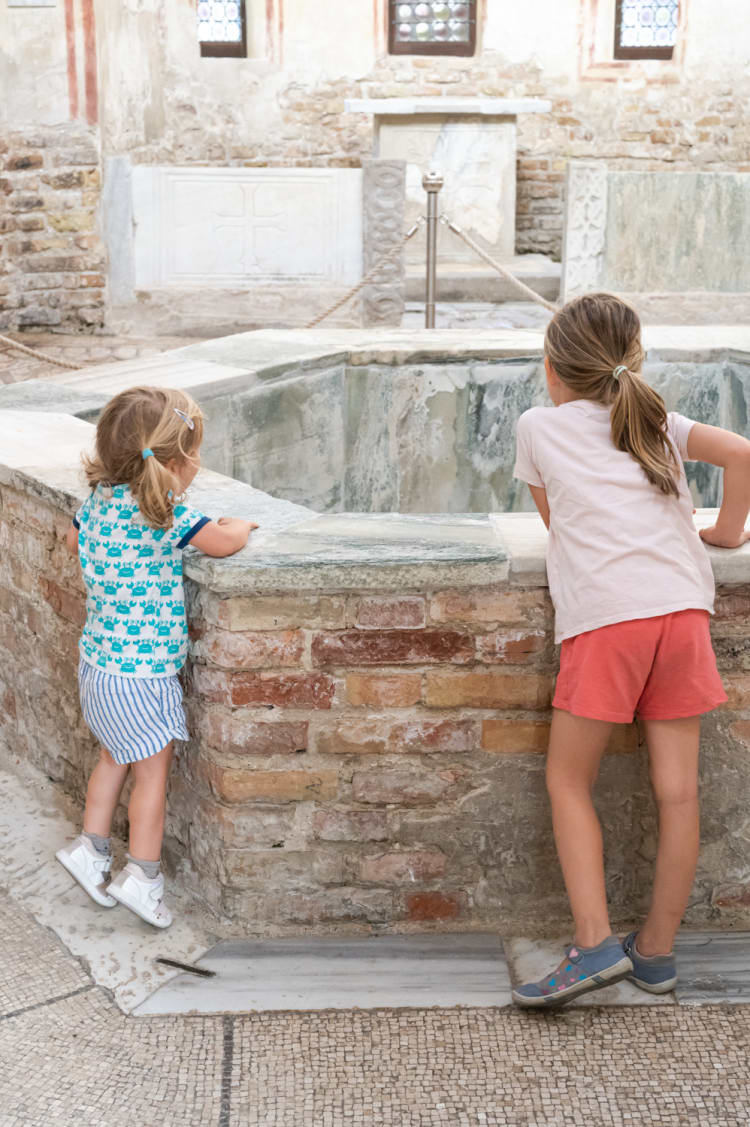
point(594, 345)
point(146, 418)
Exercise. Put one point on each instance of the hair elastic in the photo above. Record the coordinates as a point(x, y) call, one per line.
point(147, 452)
point(618, 371)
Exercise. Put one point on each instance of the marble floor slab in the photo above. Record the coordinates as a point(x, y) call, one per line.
point(327, 973)
point(713, 967)
point(531, 959)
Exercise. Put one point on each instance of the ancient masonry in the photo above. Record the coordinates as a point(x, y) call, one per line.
point(359, 757)
point(52, 261)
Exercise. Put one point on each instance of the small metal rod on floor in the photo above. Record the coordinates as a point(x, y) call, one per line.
point(432, 182)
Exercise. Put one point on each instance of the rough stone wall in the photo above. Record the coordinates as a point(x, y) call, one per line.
point(367, 758)
point(679, 126)
point(52, 261)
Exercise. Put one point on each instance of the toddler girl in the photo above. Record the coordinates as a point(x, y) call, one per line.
point(633, 589)
point(130, 534)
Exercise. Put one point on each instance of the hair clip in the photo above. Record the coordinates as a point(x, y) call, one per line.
point(185, 418)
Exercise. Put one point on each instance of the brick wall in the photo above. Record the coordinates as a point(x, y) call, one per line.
point(52, 261)
point(368, 758)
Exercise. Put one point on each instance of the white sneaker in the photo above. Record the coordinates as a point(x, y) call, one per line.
point(143, 896)
point(89, 867)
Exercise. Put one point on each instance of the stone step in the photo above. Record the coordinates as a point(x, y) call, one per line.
point(468, 281)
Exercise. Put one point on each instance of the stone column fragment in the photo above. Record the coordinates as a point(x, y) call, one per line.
point(384, 195)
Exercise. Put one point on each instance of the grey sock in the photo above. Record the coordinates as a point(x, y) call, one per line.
point(150, 868)
point(101, 844)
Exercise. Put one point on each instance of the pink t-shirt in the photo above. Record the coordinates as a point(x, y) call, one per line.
point(618, 549)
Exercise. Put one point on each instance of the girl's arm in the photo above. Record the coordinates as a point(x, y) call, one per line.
point(731, 452)
point(71, 539)
point(539, 493)
point(223, 537)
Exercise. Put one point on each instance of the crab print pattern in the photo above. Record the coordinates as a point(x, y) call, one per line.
point(135, 607)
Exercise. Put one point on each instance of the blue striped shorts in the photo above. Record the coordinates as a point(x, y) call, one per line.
point(132, 717)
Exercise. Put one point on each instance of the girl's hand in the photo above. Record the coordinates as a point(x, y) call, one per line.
point(713, 536)
point(251, 525)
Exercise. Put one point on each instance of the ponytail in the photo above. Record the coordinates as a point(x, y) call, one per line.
point(594, 346)
point(639, 427)
point(155, 489)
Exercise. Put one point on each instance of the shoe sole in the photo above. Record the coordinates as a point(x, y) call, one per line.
point(602, 978)
point(103, 899)
point(654, 987)
point(136, 909)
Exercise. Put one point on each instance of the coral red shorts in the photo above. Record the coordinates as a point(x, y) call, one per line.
point(663, 668)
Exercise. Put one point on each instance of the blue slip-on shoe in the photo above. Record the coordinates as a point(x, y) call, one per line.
point(656, 973)
point(583, 969)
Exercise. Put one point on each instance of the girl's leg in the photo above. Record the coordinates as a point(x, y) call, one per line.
point(575, 749)
point(103, 794)
point(147, 805)
point(673, 753)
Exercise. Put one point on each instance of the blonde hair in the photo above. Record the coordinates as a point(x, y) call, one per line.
point(594, 346)
point(146, 418)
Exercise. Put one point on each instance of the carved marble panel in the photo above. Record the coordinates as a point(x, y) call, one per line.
point(585, 228)
point(383, 195)
point(229, 226)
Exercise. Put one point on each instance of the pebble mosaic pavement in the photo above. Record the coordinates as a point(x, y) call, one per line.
point(70, 1058)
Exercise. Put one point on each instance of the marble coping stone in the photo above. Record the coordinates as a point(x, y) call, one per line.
point(226, 364)
point(296, 548)
point(446, 105)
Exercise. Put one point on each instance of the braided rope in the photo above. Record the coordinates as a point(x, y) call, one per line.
point(38, 355)
point(396, 249)
point(500, 269)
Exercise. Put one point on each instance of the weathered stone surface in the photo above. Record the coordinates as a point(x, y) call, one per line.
point(384, 194)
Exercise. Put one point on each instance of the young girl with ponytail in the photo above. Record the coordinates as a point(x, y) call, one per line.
point(130, 534)
point(633, 589)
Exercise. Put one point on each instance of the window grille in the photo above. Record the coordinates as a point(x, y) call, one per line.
point(646, 29)
point(221, 27)
point(432, 27)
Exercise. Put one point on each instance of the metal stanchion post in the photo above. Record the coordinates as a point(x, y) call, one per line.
point(432, 182)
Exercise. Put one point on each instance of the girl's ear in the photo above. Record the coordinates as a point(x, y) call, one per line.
point(551, 373)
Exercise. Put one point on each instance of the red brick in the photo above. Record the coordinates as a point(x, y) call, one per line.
point(391, 647)
point(395, 690)
point(435, 735)
point(232, 784)
point(732, 603)
point(212, 684)
point(384, 613)
point(737, 688)
point(488, 690)
point(241, 735)
point(402, 867)
point(283, 690)
point(357, 736)
point(252, 649)
point(350, 825)
point(279, 612)
point(400, 785)
point(740, 731)
point(433, 906)
point(67, 605)
point(515, 648)
point(491, 605)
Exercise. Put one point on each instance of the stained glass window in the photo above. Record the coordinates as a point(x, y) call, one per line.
point(646, 29)
point(221, 27)
point(432, 27)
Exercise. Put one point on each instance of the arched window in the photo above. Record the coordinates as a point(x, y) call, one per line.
point(432, 27)
point(221, 27)
point(646, 29)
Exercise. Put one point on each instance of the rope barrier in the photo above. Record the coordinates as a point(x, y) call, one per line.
point(38, 355)
point(521, 286)
point(396, 249)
